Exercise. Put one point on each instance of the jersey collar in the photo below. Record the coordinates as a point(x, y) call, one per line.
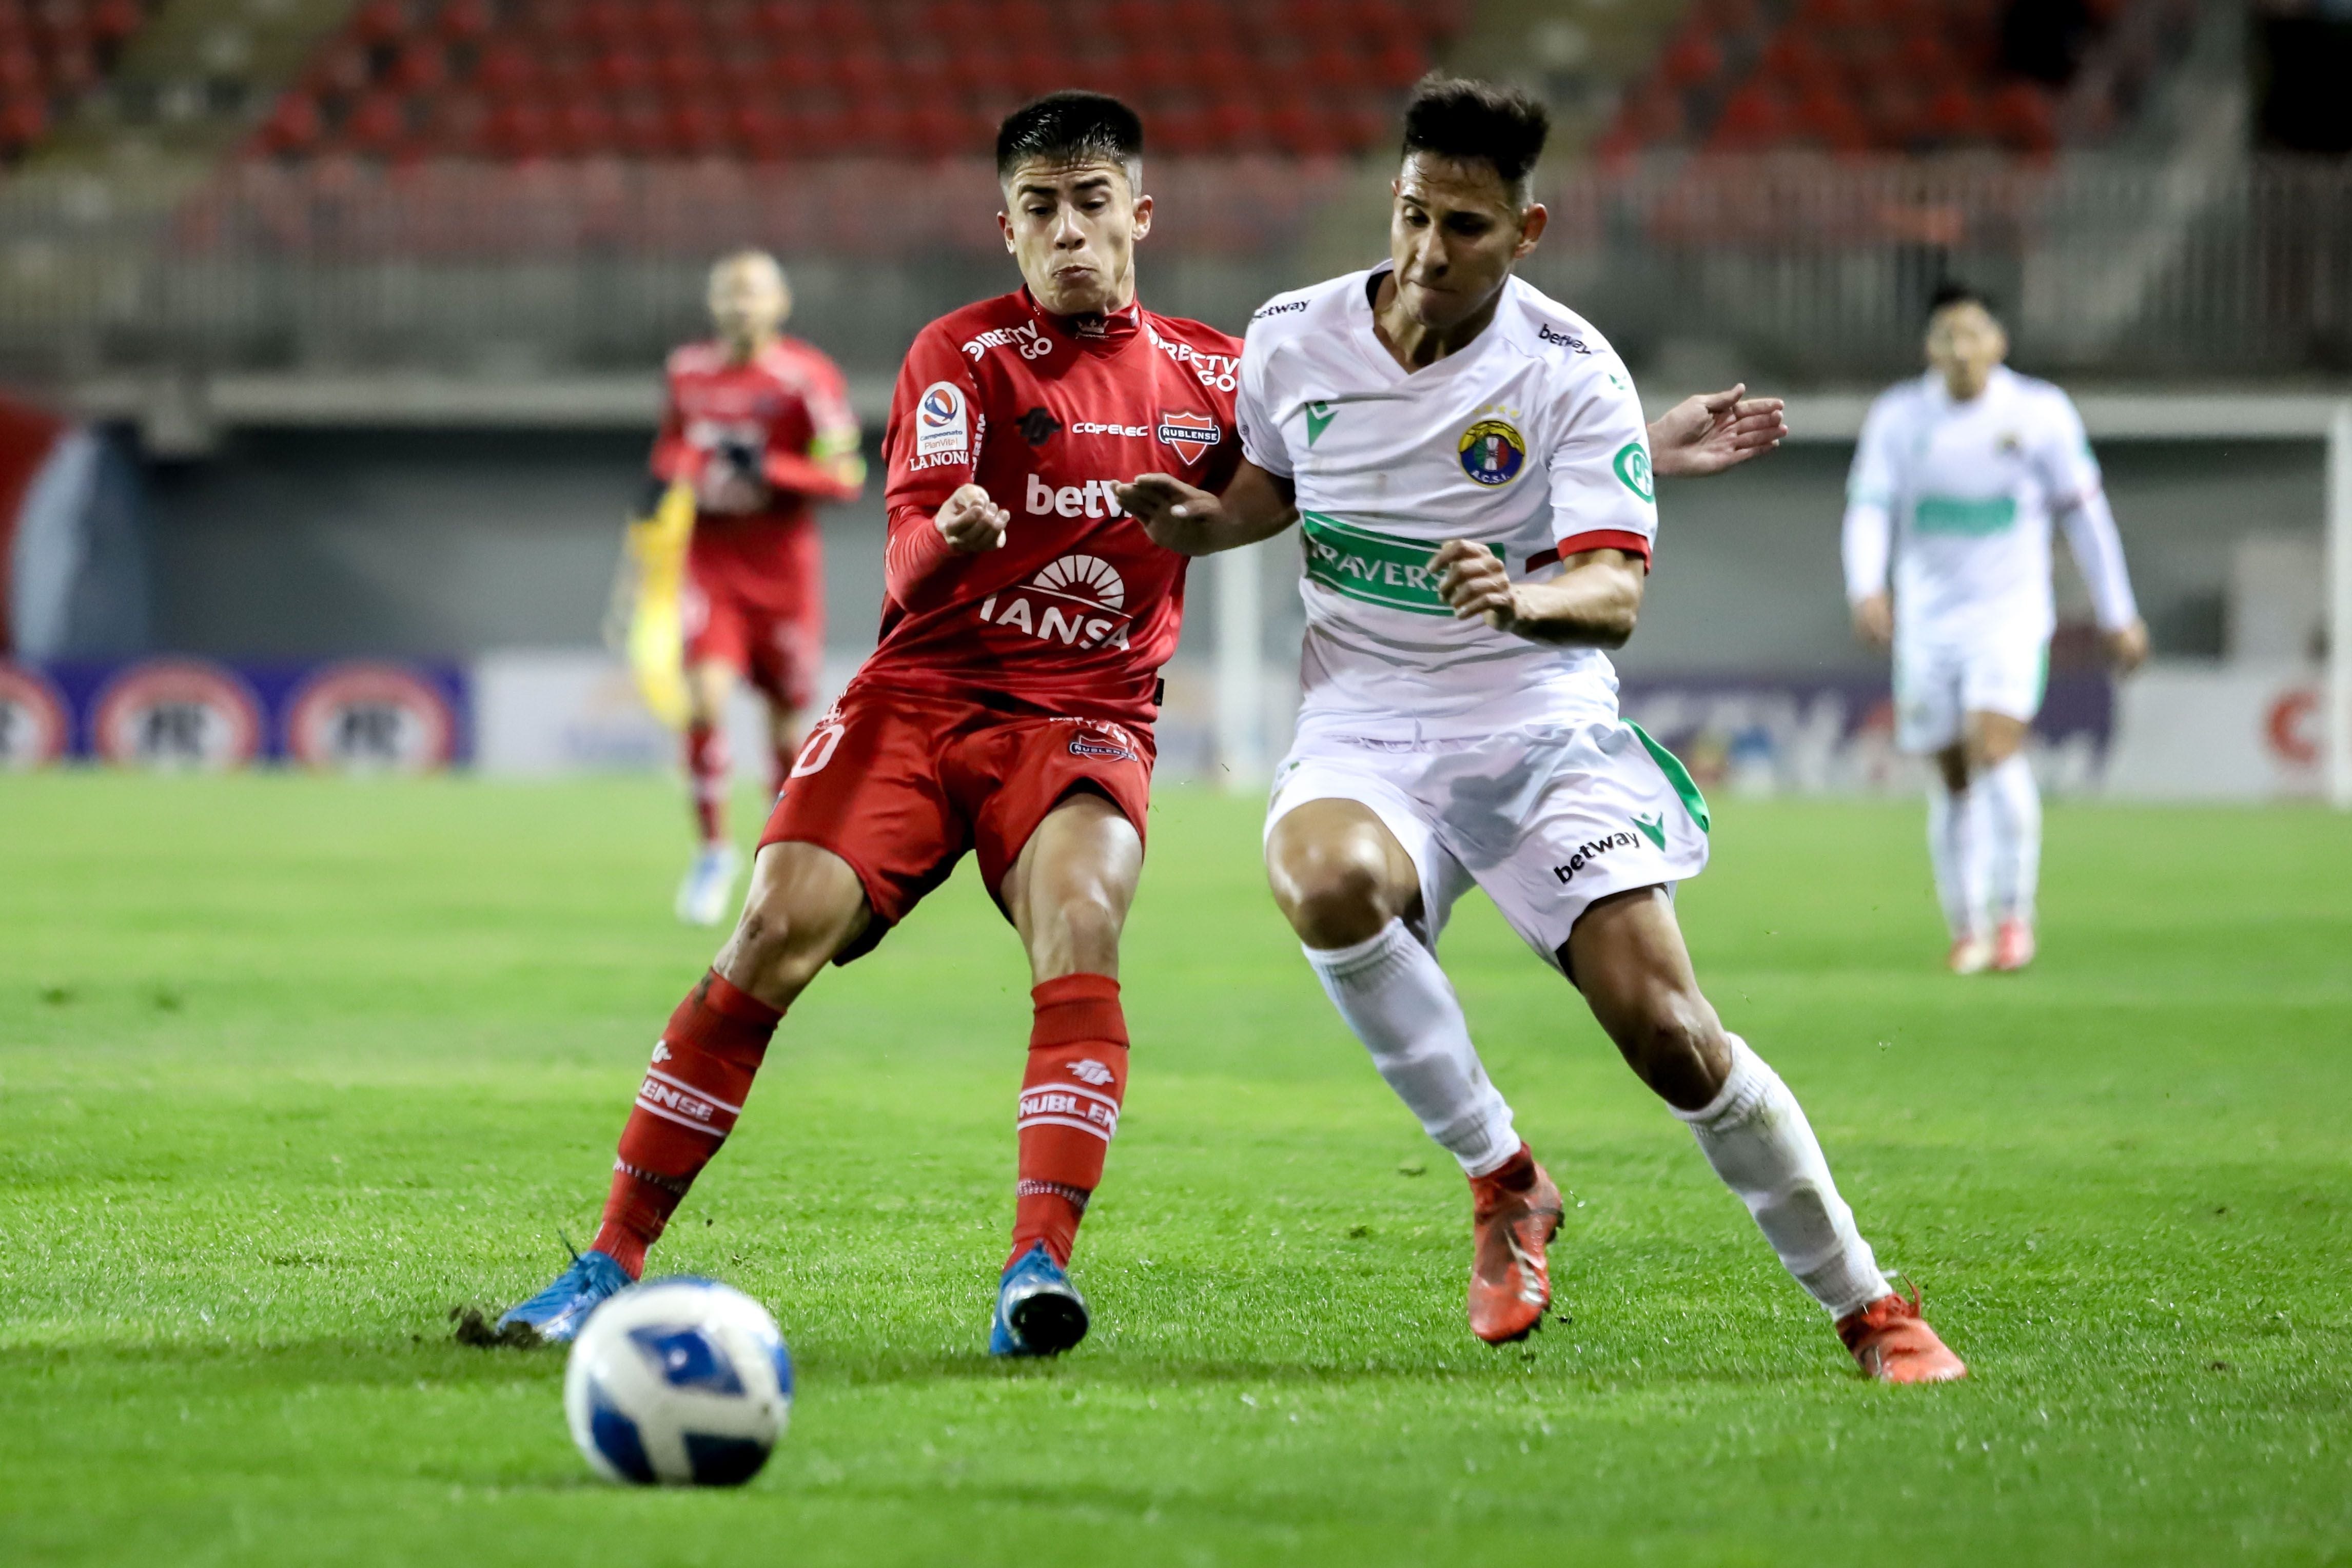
point(1376, 354)
point(1110, 333)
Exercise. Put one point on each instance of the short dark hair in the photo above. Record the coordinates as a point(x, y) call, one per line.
point(1453, 117)
point(1952, 291)
point(1072, 124)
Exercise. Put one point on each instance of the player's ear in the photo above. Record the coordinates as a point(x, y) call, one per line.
point(1533, 221)
point(1004, 227)
point(1142, 217)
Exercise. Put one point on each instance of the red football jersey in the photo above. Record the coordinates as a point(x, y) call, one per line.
point(1077, 611)
point(776, 415)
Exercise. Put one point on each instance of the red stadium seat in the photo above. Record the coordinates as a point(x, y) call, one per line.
point(1654, 115)
point(377, 123)
point(687, 68)
point(612, 23)
point(115, 20)
point(1830, 119)
point(294, 126)
point(521, 131)
point(20, 72)
point(23, 122)
point(506, 68)
point(697, 127)
point(581, 126)
point(623, 69)
point(422, 66)
point(380, 22)
point(1692, 59)
point(2023, 119)
point(1955, 114)
point(674, 23)
point(1754, 118)
point(464, 21)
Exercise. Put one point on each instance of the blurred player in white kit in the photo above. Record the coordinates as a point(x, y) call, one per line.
point(1955, 480)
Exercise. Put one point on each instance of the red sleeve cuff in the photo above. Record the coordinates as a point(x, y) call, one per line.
point(1599, 539)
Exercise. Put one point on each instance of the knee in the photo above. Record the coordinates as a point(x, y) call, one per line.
point(1086, 927)
point(780, 943)
point(1334, 895)
point(1675, 1042)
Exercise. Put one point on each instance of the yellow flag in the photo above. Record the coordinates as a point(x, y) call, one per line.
point(653, 583)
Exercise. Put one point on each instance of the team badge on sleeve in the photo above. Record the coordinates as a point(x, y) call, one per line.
point(1632, 466)
point(943, 421)
point(1493, 452)
point(1191, 433)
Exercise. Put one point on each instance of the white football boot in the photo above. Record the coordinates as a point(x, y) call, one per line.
point(707, 895)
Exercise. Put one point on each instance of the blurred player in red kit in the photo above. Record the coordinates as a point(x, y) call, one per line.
point(1007, 710)
point(759, 424)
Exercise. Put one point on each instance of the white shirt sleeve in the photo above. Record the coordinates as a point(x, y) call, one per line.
point(1603, 494)
point(2078, 497)
point(1867, 539)
point(1253, 416)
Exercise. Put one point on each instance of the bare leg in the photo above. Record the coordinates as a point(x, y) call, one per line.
point(1627, 955)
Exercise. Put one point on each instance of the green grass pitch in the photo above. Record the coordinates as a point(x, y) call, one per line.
point(290, 1067)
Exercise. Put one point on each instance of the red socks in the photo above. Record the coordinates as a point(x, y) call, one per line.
point(1069, 1108)
point(704, 1063)
point(706, 768)
point(693, 1090)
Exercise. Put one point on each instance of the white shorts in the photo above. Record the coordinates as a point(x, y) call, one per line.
point(1546, 820)
point(1936, 686)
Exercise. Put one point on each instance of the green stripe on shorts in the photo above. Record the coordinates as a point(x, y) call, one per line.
point(1677, 775)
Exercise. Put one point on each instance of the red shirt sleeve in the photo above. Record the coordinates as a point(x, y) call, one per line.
point(826, 396)
point(932, 444)
point(931, 448)
point(917, 565)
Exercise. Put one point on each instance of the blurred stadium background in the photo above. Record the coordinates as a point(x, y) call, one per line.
point(331, 333)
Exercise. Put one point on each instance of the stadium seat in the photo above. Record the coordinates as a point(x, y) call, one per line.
point(926, 75)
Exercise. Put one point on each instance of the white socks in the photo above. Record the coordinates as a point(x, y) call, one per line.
point(1956, 841)
point(1755, 1135)
point(2013, 816)
point(1400, 1003)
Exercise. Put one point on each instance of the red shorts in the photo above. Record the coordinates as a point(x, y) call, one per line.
point(901, 786)
point(754, 601)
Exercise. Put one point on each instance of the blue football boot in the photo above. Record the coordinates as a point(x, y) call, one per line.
point(1038, 1310)
point(555, 1314)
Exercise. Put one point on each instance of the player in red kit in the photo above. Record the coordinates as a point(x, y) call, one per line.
point(1007, 710)
point(759, 425)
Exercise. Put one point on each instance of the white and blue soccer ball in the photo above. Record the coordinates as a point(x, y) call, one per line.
point(679, 1381)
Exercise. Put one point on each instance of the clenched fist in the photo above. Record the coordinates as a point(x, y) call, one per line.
point(971, 522)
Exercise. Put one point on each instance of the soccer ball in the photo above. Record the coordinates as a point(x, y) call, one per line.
point(681, 1382)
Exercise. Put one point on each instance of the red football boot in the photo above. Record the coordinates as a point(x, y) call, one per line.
point(2012, 946)
point(1894, 1344)
point(1515, 1213)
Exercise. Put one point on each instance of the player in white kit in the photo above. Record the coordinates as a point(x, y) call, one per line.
point(1956, 479)
point(1468, 463)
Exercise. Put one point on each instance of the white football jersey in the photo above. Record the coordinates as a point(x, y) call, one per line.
point(1968, 490)
point(1529, 440)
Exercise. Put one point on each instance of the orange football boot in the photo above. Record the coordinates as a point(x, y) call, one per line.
point(1515, 1213)
point(1894, 1344)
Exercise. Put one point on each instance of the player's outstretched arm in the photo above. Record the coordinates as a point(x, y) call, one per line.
point(1592, 604)
point(1256, 505)
point(1719, 430)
